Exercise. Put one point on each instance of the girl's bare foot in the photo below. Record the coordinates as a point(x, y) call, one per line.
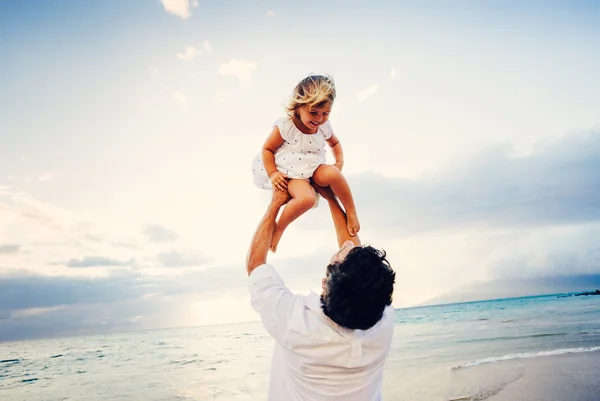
point(277, 233)
point(353, 223)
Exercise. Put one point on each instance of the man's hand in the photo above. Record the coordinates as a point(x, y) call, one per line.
point(339, 165)
point(280, 197)
point(279, 180)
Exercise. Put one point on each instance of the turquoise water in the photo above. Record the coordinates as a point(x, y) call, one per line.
point(432, 347)
point(483, 331)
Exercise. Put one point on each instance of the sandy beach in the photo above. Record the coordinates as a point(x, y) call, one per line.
point(559, 378)
point(552, 378)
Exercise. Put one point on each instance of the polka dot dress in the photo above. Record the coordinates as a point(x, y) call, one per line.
point(299, 155)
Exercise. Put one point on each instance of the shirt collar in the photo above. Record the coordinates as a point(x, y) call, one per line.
point(313, 302)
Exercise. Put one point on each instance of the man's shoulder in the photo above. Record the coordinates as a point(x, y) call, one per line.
point(388, 322)
point(262, 272)
point(389, 317)
point(264, 282)
point(389, 311)
point(265, 278)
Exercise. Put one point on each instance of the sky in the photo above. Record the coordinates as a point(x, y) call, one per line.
point(471, 137)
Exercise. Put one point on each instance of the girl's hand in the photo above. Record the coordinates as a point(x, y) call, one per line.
point(339, 165)
point(279, 180)
point(280, 198)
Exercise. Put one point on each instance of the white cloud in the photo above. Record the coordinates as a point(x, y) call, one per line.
point(96, 261)
point(180, 8)
point(270, 13)
point(34, 311)
point(393, 73)
point(154, 70)
point(547, 251)
point(9, 248)
point(239, 68)
point(189, 54)
point(45, 177)
point(223, 98)
point(156, 233)
point(206, 46)
point(179, 97)
point(47, 240)
point(183, 259)
point(367, 92)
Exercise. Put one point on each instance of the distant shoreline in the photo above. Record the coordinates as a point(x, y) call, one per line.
point(557, 294)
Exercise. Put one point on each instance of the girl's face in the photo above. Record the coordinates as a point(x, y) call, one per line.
point(311, 118)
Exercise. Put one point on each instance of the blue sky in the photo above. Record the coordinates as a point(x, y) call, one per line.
point(471, 135)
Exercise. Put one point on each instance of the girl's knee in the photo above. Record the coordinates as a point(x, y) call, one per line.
point(325, 174)
point(303, 193)
point(308, 199)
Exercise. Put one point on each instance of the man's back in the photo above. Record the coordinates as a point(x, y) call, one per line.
point(314, 358)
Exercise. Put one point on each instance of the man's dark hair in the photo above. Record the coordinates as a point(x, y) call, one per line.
point(358, 289)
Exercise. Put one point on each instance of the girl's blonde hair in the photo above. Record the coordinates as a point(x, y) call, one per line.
point(314, 91)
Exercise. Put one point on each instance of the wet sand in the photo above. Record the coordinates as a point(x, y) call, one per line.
point(550, 378)
point(560, 378)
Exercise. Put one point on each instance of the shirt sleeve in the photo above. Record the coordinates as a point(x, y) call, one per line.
point(285, 129)
point(272, 300)
point(326, 129)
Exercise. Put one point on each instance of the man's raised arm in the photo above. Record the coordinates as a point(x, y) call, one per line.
point(259, 248)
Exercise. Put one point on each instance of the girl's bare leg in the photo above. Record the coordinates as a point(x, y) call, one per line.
point(303, 198)
point(330, 176)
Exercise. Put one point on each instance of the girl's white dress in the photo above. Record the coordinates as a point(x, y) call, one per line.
point(299, 155)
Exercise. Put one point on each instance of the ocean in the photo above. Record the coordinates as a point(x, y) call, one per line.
point(543, 348)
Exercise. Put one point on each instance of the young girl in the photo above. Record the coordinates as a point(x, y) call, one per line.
point(294, 153)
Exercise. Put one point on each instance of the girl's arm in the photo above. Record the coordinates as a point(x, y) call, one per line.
point(274, 140)
point(336, 149)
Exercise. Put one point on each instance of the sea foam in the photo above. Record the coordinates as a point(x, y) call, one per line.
point(526, 355)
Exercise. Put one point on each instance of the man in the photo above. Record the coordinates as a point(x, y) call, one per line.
point(333, 346)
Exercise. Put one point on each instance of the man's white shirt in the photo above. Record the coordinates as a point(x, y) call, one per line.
point(315, 359)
